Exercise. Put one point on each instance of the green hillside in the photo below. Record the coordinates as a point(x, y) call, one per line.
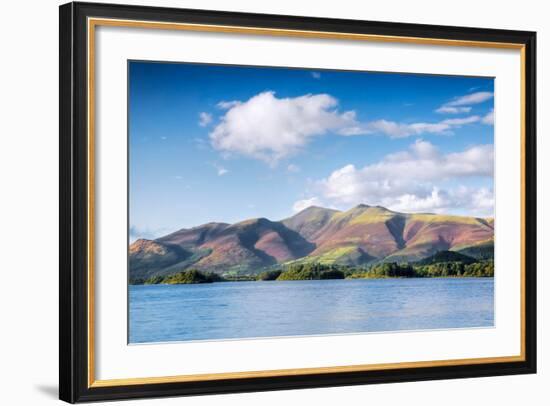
point(446, 256)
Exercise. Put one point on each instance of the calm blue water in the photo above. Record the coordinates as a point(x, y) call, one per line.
point(269, 309)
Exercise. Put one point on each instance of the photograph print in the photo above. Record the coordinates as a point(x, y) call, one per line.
point(281, 202)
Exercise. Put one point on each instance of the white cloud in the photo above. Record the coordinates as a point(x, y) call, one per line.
point(226, 105)
point(305, 203)
point(462, 104)
point(205, 119)
point(457, 122)
point(316, 75)
point(135, 233)
point(473, 201)
point(292, 168)
point(489, 118)
point(220, 170)
point(453, 110)
point(269, 128)
point(414, 180)
point(483, 199)
point(401, 130)
point(356, 129)
point(472, 98)
point(413, 203)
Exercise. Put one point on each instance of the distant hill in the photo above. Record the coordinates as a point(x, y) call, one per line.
point(149, 257)
point(446, 256)
point(481, 251)
point(359, 236)
point(310, 221)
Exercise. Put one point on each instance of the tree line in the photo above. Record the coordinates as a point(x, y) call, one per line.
point(317, 271)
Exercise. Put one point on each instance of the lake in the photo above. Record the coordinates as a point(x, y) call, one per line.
point(231, 310)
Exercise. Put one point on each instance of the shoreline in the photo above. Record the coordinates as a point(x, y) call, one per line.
point(309, 280)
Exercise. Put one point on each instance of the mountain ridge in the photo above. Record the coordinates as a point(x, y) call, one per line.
point(359, 236)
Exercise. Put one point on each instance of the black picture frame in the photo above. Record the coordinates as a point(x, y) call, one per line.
point(73, 283)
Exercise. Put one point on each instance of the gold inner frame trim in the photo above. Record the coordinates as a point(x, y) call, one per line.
point(94, 22)
point(300, 371)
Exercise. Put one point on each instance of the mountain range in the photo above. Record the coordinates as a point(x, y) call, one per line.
point(356, 237)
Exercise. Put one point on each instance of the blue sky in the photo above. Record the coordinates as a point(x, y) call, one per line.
point(227, 143)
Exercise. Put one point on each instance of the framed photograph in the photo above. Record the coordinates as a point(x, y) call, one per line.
point(257, 202)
